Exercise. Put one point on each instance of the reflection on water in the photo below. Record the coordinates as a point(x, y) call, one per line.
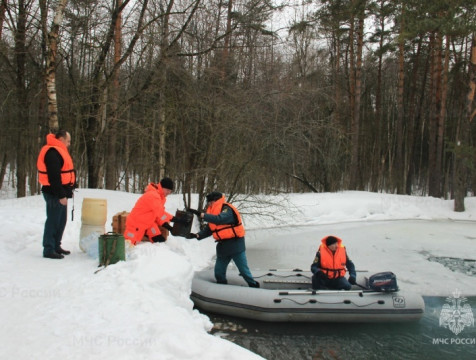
point(424, 339)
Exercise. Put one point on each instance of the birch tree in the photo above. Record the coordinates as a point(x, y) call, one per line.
point(51, 37)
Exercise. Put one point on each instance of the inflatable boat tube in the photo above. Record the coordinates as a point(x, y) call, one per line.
point(286, 296)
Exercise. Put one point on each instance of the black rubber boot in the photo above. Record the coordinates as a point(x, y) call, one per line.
point(62, 251)
point(53, 255)
point(255, 285)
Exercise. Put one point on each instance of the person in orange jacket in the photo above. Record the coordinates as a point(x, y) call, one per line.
point(149, 213)
point(57, 176)
point(330, 264)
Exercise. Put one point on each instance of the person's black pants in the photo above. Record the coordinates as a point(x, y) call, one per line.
point(54, 225)
point(320, 281)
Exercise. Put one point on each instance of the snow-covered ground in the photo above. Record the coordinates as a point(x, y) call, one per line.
point(60, 309)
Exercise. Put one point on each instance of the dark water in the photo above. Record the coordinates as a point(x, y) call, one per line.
point(424, 339)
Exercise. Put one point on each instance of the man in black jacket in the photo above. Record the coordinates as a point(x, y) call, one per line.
point(57, 176)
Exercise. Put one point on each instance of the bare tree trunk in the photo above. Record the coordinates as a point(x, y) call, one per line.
point(226, 47)
point(442, 117)
point(127, 152)
point(3, 169)
point(164, 44)
point(398, 165)
point(352, 72)
point(378, 112)
point(21, 97)
point(93, 133)
point(355, 126)
point(50, 73)
point(162, 136)
point(434, 162)
point(111, 156)
point(411, 127)
point(3, 8)
point(337, 82)
point(462, 153)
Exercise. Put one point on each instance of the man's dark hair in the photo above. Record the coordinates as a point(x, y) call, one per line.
point(331, 240)
point(61, 134)
point(214, 196)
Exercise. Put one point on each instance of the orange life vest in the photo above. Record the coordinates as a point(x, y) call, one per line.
point(68, 174)
point(333, 264)
point(225, 231)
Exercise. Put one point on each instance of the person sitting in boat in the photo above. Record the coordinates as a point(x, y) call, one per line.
point(329, 266)
point(224, 223)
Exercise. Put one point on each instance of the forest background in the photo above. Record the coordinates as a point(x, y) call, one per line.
point(244, 96)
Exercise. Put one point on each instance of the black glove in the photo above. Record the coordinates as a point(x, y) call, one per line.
point(167, 226)
point(352, 280)
point(191, 236)
point(158, 238)
point(193, 211)
point(179, 220)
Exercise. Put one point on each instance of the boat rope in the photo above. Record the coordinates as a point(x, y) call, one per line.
point(314, 301)
point(281, 276)
point(297, 269)
point(277, 281)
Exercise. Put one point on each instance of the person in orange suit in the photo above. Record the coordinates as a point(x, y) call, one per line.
point(149, 213)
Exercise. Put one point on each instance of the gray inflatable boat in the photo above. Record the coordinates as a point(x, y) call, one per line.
point(286, 296)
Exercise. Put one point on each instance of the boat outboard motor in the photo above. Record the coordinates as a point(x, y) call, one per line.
point(383, 282)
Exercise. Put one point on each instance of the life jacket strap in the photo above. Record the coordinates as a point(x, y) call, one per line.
point(335, 272)
point(232, 227)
